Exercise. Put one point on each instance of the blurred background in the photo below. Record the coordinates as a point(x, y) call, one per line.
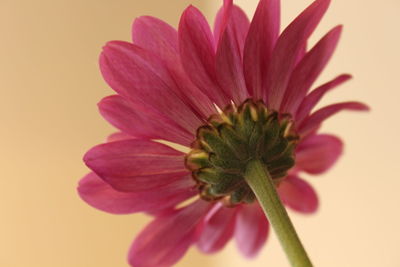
point(50, 84)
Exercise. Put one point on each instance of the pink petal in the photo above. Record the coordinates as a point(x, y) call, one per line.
point(312, 99)
point(164, 241)
point(261, 39)
point(298, 195)
point(97, 193)
point(197, 51)
point(314, 121)
point(136, 165)
point(317, 153)
point(162, 39)
point(218, 229)
point(229, 55)
point(155, 35)
point(251, 230)
point(141, 76)
point(288, 47)
point(221, 19)
point(141, 122)
point(308, 70)
point(118, 136)
point(302, 53)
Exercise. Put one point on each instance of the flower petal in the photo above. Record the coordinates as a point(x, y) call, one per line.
point(159, 37)
point(221, 20)
point(298, 195)
point(317, 153)
point(197, 50)
point(97, 193)
point(118, 136)
point(288, 47)
point(141, 76)
point(155, 35)
point(230, 53)
point(312, 99)
point(218, 229)
point(164, 241)
point(136, 165)
point(252, 229)
point(141, 122)
point(314, 121)
point(302, 53)
point(308, 70)
point(261, 39)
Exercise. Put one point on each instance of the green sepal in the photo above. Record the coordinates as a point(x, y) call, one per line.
point(239, 195)
point(197, 159)
point(216, 144)
point(276, 150)
point(237, 144)
point(222, 189)
point(224, 163)
point(280, 165)
point(231, 140)
point(271, 133)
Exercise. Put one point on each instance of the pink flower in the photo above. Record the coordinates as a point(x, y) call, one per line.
point(169, 83)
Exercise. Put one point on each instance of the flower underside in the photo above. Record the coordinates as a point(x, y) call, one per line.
point(231, 139)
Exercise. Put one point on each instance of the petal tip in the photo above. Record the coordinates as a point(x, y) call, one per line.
point(338, 29)
point(361, 107)
point(346, 76)
point(366, 108)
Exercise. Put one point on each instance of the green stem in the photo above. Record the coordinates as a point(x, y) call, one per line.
point(263, 187)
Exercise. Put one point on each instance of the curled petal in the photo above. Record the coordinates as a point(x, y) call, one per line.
point(312, 99)
point(252, 229)
point(218, 229)
point(317, 153)
point(288, 47)
point(308, 70)
point(314, 121)
point(164, 241)
point(136, 165)
point(97, 193)
point(298, 195)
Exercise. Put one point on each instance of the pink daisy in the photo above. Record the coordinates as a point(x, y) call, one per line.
point(224, 94)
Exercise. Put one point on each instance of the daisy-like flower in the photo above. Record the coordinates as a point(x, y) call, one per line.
point(239, 92)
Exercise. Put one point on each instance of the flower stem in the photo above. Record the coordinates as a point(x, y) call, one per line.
point(260, 181)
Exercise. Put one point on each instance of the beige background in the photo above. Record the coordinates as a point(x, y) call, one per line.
point(50, 85)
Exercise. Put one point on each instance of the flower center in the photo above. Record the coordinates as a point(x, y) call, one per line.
point(230, 140)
